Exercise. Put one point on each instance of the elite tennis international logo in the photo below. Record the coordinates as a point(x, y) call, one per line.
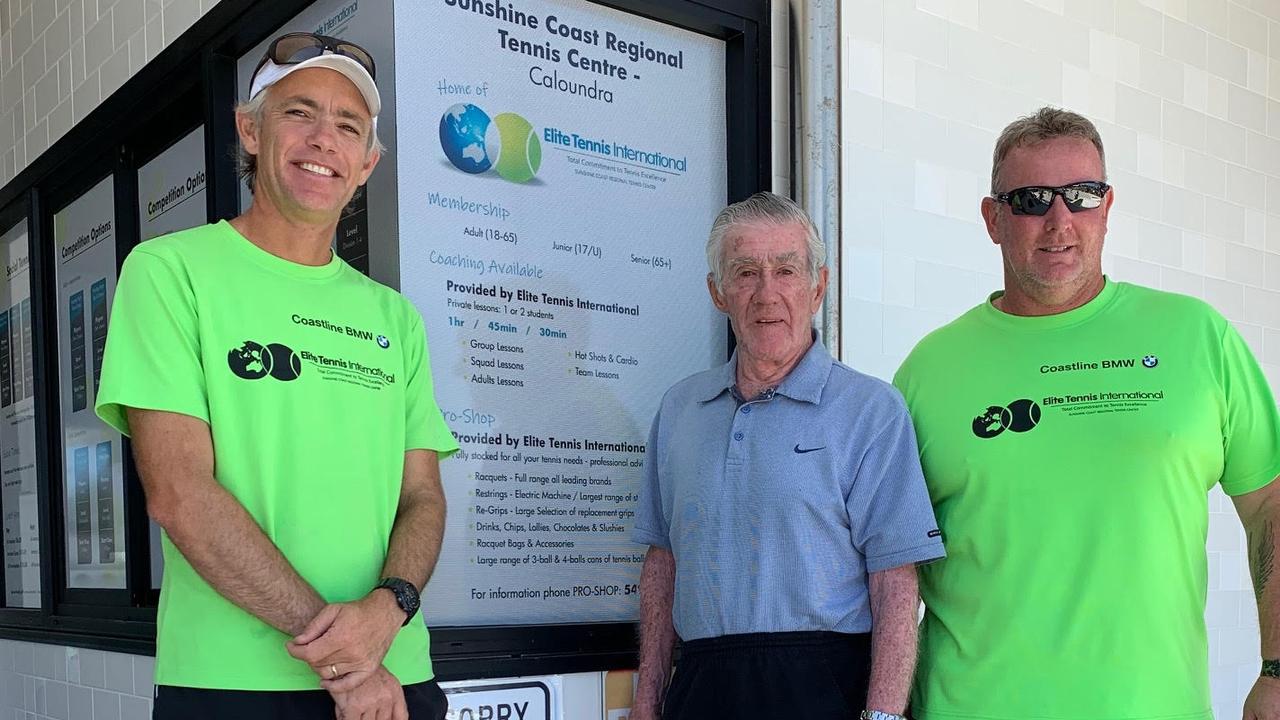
point(1018, 416)
point(476, 143)
point(253, 361)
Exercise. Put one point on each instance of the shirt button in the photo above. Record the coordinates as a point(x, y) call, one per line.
point(737, 436)
point(746, 409)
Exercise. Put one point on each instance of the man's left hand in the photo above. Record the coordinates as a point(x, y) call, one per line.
point(345, 643)
point(1263, 702)
point(381, 698)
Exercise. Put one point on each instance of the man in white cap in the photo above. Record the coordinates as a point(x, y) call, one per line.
point(284, 424)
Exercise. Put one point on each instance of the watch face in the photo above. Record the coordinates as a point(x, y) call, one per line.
point(411, 599)
point(406, 595)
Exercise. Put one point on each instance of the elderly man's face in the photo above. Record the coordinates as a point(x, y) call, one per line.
point(767, 291)
point(1053, 261)
point(313, 145)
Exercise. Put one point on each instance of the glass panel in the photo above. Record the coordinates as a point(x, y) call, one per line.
point(18, 477)
point(171, 198)
point(84, 235)
point(171, 188)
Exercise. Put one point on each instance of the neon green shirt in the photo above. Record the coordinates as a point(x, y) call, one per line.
point(314, 382)
point(1069, 459)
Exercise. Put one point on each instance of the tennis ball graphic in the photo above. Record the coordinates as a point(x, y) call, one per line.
point(285, 363)
point(1025, 415)
point(513, 147)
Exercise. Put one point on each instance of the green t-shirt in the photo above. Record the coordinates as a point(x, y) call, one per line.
point(1069, 460)
point(314, 382)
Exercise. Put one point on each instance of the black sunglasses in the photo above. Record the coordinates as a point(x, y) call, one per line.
point(1036, 200)
point(294, 48)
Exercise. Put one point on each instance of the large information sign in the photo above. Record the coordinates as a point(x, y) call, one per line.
point(561, 163)
point(18, 486)
point(85, 247)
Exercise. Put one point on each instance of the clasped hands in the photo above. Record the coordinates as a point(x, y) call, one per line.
point(345, 644)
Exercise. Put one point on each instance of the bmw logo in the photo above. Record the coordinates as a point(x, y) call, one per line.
point(1150, 361)
point(383, 342)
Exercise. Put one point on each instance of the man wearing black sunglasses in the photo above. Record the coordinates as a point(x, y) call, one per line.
point(1070, 428)
point(283, 420)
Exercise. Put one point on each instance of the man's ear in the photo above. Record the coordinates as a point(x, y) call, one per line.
point(247, 129)
point(716, 298)
point(819, 289)
point(370, 162)
point(991, 216)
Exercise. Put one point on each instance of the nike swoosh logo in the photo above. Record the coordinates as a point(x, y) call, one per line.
point(800, 451)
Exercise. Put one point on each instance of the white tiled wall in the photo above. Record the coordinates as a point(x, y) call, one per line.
point(60, 58)
point(1186, 94)
point(49, 682)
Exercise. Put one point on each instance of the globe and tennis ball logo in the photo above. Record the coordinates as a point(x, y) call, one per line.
point(476, 143)
point(252, 361)
point(1018, 416)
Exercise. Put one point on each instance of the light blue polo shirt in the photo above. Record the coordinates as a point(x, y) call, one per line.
point(776, 509)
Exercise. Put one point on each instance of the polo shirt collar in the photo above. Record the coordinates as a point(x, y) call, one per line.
point(804, 383)
point(720, 380)
point(807, 379)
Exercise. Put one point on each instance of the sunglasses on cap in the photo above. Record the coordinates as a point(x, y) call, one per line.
point(294, 48)
point(1036, 200)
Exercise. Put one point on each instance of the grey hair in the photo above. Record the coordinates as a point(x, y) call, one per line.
point(255, 107)
point(1047, 123)
point(763, 208)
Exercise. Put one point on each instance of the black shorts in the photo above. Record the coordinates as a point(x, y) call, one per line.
point(771, 675)
point(426, 701)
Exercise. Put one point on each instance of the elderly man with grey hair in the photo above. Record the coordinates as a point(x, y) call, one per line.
point(783, 506)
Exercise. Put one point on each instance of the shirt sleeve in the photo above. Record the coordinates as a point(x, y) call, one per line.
point(152, 360)
point(891, 520)
point(425, 428)
point(1251, 424)
point(651, 523)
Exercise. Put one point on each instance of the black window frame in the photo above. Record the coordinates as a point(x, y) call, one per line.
point(196, 78)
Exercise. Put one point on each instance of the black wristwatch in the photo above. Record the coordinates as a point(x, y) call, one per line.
point(406, 596)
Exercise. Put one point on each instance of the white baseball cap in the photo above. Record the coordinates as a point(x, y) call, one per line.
point(269, 73)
